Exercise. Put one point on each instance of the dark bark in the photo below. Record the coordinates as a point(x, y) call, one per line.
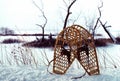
point(104, 27)
point(68, 13)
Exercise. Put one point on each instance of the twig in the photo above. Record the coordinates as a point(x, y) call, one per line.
point(68, 13)
point(45, 23)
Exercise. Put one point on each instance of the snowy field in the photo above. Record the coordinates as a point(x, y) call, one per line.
point(30, 64)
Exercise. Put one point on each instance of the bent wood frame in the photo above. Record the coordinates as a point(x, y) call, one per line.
point(75, 42)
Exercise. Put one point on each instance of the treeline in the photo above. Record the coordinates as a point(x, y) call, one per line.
point(27, 34)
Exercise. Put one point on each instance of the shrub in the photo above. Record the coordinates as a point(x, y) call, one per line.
point(118, 39)
point(11, 41)
point(40, 43)
point(102, 42)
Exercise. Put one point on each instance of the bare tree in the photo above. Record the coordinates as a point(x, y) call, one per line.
point(45, 20)
point(103, 25)
point(68, 13)
point(93, 24)
point(5, 30)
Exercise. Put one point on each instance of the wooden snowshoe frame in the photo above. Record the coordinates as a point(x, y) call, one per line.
point(75, 42)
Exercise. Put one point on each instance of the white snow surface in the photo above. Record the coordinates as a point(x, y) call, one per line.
point(108, 58)
point(25, 73)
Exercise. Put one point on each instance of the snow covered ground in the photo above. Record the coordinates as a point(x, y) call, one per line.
point(26, 73)
point(12, 70)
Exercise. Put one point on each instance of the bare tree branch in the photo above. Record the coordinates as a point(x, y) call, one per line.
point(65, 3)
point(89, 23)
point(99, 15)
point(103, 25)
point(43, 15)
point(76, 18)
point(100, 8)
point(68, 13)
point(37, 6)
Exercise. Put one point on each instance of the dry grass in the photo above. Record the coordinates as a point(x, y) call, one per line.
point(23, 56)
point(105, 59)
point(17, 55)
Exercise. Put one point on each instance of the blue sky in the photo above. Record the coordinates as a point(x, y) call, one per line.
point(23, 15)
